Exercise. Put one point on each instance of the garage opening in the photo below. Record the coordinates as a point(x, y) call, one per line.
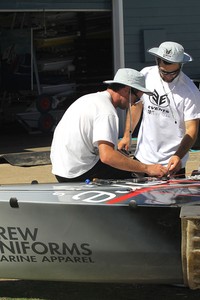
point(48, 60)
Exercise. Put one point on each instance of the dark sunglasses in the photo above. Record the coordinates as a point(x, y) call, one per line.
point(175, 72)
point(134, 92)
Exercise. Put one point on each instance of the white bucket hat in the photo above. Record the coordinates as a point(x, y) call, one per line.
point(131, 78)
point(171, 52)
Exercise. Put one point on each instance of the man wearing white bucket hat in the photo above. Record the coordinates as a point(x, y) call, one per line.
point(170, 119)
point(84, 144)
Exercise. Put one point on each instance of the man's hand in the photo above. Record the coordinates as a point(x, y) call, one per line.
point(174, 164)
point(124, 143)
point(156, 170)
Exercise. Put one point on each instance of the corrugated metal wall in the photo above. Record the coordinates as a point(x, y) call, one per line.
point(53, 4)
point(167, 20)
point(146, 23)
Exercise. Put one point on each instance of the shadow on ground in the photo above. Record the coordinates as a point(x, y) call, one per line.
point(14, 138)
point(92, 291)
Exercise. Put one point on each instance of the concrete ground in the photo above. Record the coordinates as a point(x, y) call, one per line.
point(14, 139)
point(14, 174)
point(17, 140)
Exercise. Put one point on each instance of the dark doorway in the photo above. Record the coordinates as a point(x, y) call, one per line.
point(48, 59)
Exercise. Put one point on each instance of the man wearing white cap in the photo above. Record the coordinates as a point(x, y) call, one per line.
point(170, 120)
point(84, 144)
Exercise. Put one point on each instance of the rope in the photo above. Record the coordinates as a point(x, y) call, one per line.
point(130, 115)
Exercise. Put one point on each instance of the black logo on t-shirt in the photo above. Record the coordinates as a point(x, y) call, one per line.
point(158, 105)
point(160, 101)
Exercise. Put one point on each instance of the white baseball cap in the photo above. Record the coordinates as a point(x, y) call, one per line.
point(171, 52)
point(131, 78)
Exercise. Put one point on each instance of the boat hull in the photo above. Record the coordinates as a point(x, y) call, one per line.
point(92, 233)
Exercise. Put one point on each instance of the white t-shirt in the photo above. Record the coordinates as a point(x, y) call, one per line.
point(89, 119)
point(164, 115)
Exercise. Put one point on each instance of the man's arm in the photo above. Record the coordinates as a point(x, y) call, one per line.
point(136, 111)
point(187, 142)
point(115, 159)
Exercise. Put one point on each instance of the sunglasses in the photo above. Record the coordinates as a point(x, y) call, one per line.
point(134, 92)
point(175, 72)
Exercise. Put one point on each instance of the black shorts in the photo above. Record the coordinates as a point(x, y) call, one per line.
point(101, 171)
